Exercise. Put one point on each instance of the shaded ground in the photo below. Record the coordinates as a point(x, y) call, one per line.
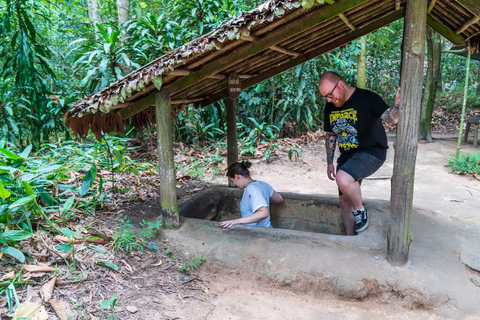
point(150, 285)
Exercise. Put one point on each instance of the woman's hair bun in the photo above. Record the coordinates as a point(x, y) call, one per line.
point(246, 164)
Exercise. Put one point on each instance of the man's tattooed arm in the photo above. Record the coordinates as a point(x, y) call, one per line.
point(330, 143)
point(391, 114)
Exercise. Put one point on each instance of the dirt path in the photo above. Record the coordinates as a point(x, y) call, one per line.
point(451, 197)
point(149, 284)
point(151, 287)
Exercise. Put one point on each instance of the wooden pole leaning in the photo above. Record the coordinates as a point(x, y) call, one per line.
point(168, 193)
point(399, 234)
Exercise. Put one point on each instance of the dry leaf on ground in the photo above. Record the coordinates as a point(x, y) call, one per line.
point(37, 268)
point(30, 310)
point(46, 289)
point(59, 309)
point(8, 276)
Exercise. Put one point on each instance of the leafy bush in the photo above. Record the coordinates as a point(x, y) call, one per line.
point(467, 163)
point(131, 238)
point(189, 266)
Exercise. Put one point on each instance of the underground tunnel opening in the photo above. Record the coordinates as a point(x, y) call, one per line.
point(310, 213)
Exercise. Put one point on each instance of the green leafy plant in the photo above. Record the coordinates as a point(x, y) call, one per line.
point(191, 265)
point(294, 152)
point(106, 58)
point(110, 305)
point(269, 150)
point(131, 238)
point(467, 163)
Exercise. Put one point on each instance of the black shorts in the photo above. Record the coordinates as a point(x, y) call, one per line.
point(360, 166)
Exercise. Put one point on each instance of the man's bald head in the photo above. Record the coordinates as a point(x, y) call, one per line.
point(330, 77)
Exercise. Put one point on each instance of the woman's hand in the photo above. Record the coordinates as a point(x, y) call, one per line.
point(229, 223)
point(258, 215)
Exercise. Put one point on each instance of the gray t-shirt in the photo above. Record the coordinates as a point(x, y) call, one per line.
point(256, 195)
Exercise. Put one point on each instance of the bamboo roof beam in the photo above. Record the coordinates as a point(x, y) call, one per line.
point(347, 22)
point(342, 16)
point(186, 101)
point(468, 24)
point(183, 72)
point(444, 31)
point(296, 27)
point(274, 48)
point(325, 47)
point(259, 32)
point(430, 7)
point(397, 4)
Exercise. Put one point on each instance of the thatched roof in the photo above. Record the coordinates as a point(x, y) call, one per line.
point(256, 45)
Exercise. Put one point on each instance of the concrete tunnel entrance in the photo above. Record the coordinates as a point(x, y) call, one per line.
point(300, 212)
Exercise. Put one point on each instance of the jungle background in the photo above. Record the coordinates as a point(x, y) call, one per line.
point(54, 53)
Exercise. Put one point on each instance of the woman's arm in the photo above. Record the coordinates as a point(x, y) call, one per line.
point(258, 215)
point(276, 197)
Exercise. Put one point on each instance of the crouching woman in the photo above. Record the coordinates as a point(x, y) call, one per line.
point(255, 202)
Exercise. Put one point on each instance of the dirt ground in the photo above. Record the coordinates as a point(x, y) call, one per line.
point(219, 292)
point(149, 284)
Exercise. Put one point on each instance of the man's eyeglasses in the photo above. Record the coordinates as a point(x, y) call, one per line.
point(330, 95)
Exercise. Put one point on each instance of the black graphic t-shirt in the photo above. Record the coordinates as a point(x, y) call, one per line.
point(357, 124)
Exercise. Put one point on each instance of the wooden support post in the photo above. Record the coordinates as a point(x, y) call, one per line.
point(232, 147)
point(168, 192)
point(399, 233)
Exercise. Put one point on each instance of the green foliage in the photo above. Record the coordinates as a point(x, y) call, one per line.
point(467, 163)
point(294, 152)
point(452, 99)
point(25, 71)
point(105, 57)
point(131, 239)
point(33, 186)
point(191, 265)
point(196, 167)
point(269, 150)
point(109, 265)
point(110, 305)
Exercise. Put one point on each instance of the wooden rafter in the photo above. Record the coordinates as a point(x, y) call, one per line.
point(312, 54)
point(309, 21)
point(184, 72)
point(186, 101)
point(274, 48)
point(342, 16)
point(138, 106)
point(468, 24)
point(431, 5)
point(444, 31)
point(347, 22)
point(397, 4)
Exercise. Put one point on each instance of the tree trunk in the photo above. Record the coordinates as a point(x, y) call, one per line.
point(434, 44)
point(362, 64)
point(123, 8)
point(168, 191)
point(232, 146)
point(399, 233)
point(93, 13)
point(478, 80)
point(464, 105)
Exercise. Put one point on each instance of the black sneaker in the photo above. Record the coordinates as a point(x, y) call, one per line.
point(361, 220)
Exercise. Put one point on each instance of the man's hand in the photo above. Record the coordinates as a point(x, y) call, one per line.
point(331, 172)
point(397, 97)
